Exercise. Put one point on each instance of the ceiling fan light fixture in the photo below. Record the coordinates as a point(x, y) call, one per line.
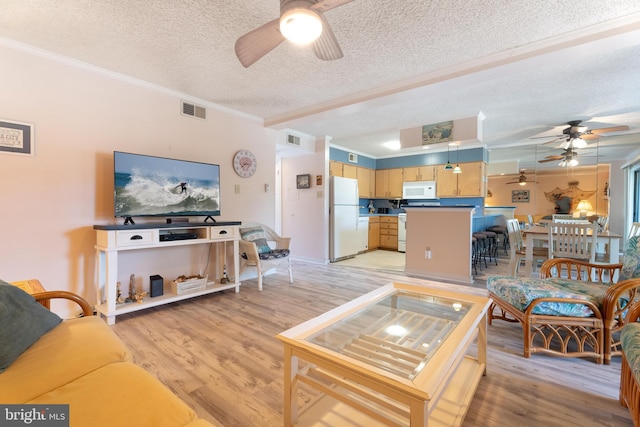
point(300, 25)
point(578, 143)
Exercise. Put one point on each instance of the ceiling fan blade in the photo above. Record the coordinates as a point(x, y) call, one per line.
point(554, 159)
point(324, 5)
point(554, 140)
point(607, 130)
point(257, 43)
point(589, 137)
point(326, 46)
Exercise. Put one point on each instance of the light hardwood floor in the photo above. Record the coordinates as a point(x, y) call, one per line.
point(220, 355)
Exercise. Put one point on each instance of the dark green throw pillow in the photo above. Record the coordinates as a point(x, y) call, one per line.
point(22, 322)
point(262, 245)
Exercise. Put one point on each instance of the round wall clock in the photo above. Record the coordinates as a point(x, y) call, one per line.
point(244, 163)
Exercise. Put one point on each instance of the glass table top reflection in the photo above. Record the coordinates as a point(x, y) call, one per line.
point(398, 334)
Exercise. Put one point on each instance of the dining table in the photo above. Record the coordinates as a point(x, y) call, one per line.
point(536, 234)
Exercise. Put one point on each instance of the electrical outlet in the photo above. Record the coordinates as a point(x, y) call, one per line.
point(427, 253)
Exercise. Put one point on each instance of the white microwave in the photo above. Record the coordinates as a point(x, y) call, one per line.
point(419, 190)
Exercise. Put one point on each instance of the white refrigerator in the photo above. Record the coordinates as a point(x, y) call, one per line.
point(343, 218)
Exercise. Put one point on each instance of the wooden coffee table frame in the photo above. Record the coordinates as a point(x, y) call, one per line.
point(359, 394)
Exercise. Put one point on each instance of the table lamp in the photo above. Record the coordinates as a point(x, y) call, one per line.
point(583, 207)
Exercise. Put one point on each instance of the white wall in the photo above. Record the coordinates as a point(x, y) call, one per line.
point(49, 202)
point(305, 211)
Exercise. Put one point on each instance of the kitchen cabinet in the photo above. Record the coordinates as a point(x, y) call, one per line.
point(366, 182)
point(335, 168)
point(343, 169)
point(389, 232)
point(470, 183)
point(374, 232)
point(349, 171)
point(420, 173)
point(389, 183)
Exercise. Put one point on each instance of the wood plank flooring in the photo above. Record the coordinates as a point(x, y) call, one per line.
point(219, 354)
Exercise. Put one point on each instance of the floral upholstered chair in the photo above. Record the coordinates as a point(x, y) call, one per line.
point(575, 308)
point(263, 249)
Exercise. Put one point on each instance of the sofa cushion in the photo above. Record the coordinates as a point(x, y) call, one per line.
point(630, 343)
point(22, 322)
point(521, 291)
point(119, 394)
point(69, 351)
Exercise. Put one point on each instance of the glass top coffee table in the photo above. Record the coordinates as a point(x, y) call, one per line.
point(400, 355)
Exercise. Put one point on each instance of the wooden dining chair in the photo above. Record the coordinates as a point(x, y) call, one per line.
point(518, 250)
point(574, 241)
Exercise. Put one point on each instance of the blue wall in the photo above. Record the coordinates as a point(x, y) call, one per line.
point(462, 156)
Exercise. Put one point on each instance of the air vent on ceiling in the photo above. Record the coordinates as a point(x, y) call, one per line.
point(193, 110)
point(293, 140)
point(353, 158)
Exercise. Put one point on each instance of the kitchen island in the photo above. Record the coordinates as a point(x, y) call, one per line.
point(439, 242)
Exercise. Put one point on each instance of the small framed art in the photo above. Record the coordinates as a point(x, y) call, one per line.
point(520, 196)
point(16, 138)
point(303, 181)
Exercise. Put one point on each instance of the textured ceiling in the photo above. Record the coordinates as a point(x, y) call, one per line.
point(527, 66)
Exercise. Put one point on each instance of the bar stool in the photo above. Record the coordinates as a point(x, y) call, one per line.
point(492, 238)
point(503, 235)
point(482, 246)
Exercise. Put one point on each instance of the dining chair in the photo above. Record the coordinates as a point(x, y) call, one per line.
point(571, 240)
point(518, 250)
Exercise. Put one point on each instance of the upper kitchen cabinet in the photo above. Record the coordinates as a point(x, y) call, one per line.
point(335, 168)
point(389, 183)
point(469, 183)
point(366, 182)
point(343, 170)
point(420, 173)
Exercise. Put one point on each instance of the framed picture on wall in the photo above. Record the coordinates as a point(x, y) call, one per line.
point(520, 196)
point(16, 138)
point(303, 181)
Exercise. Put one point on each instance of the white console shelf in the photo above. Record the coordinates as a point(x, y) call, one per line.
point(113, 239)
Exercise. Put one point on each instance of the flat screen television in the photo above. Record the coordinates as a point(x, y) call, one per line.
point(149, 186)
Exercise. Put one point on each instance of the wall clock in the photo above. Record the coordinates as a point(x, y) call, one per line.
point(244, 163)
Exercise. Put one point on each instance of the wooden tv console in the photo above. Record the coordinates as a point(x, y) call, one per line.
point(114, 239)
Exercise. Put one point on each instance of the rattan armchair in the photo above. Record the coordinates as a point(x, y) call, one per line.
point(263, 249)
point(595, 334)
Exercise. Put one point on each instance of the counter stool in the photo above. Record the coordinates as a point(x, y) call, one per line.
point(503, 236)
point(482, 247)
point(493, 245)
point(474, 254)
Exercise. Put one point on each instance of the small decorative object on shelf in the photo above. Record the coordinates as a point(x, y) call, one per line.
point(132, 289)
point(139, 296)
point(184, 284)
point(225, 278)
point(119, 297)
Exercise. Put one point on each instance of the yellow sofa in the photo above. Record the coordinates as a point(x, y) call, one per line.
point(82, 363)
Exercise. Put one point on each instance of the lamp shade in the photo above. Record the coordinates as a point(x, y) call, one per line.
point(584, 205)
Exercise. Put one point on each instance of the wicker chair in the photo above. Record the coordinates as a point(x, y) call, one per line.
point(263, 249)
point(569, 320)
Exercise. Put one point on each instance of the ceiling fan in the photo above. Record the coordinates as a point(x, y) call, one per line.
point(300, 21)
point(569, 157)
point(575, 135)
point(522, 179)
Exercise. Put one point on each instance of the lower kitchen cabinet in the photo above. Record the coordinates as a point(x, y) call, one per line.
point(389, 232)
point(374, 233)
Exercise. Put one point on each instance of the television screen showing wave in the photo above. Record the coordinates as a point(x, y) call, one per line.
point(157, 186)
